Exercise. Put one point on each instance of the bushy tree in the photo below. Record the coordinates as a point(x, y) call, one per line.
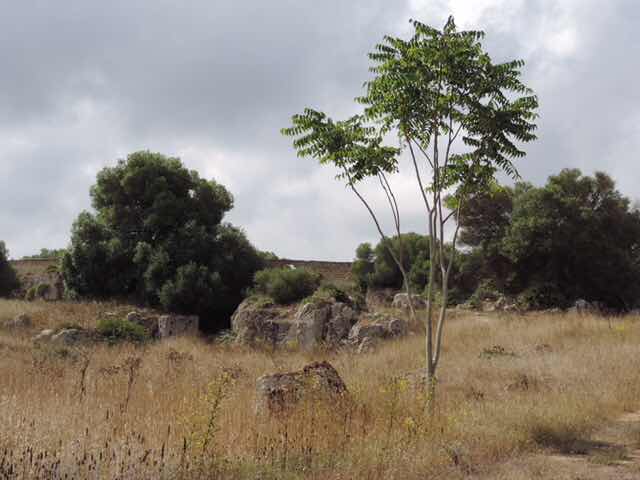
point(376, 267)
point(575, 237)
point(286, 285)
point(157, 235)
point(8, 276)
point(460, 116)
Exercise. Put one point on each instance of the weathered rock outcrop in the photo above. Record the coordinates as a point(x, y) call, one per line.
point(322, 323)
point(318, 381)
point(401, 300)
point(254, 322)
point(67, 337)
point(371, 329)
point(177, 325)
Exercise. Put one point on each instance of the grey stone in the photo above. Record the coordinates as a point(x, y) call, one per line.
point(69, 337)
point(322, 323)
point(177, 325)
point(253, 323)
point(44, 336)
point(279, 392)
point(401, 300)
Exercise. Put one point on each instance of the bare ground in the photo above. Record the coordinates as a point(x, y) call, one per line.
point(612, 453)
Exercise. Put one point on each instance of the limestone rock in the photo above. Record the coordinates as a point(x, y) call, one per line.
point(69, 337)
point(253, 322)
point(401, 300)
point(175, 325)
point(370, 330)
point(44, 336)
point(278, 392)
point(322, 323)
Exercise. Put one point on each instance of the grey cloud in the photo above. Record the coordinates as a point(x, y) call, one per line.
point(83, 83)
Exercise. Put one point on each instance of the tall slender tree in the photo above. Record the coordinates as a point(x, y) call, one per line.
point(462, 119)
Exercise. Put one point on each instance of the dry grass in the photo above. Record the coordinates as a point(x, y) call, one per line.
point(185, 408)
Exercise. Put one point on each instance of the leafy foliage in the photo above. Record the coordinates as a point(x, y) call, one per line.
point(119, 330)
point(8, 277)
point(575, 237)
point(285, 285)
point(375, 267)
point(158, 236)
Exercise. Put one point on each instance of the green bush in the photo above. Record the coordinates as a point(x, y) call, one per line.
point(540, 296)
point(8, 277)
point(158, 237)
point(285, 285)
point(121, 330)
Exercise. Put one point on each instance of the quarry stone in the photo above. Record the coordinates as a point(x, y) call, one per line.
point(44, 336)
point(278, 392)
point(69, 337)
point(254, 323)
point(322, 323)
point(401, 300)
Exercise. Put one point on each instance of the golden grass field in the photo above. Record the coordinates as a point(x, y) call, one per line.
point(510, 387)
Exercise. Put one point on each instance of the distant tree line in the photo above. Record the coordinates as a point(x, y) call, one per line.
point(575, 237)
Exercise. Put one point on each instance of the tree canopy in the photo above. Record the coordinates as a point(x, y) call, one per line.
point(157, 236)
point(575, 237)
point(8, 277)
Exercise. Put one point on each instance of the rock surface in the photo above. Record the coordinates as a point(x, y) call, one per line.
point(69, 337)
point(370, 330)
point(322, 323)
point(44, 336)
point(255, 323)
point(278, 392)
point(401, 300)
point(176, 325)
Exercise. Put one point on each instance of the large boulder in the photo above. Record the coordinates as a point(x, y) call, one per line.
point(401, 300)
point(322, 323)
point(44, 336)
point(279, 392)
point(177, 325)
point(69, 337)
point(254, 322)
point(371, 329)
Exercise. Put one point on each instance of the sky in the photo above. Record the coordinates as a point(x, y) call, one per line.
point(83, 83)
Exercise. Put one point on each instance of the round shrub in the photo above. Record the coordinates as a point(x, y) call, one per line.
point(285, 285)
point(121, 330)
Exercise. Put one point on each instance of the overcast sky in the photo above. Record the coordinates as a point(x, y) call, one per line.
point(83, 83)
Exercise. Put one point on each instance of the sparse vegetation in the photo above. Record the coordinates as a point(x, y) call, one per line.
point(170, 409)
point(119, 330)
